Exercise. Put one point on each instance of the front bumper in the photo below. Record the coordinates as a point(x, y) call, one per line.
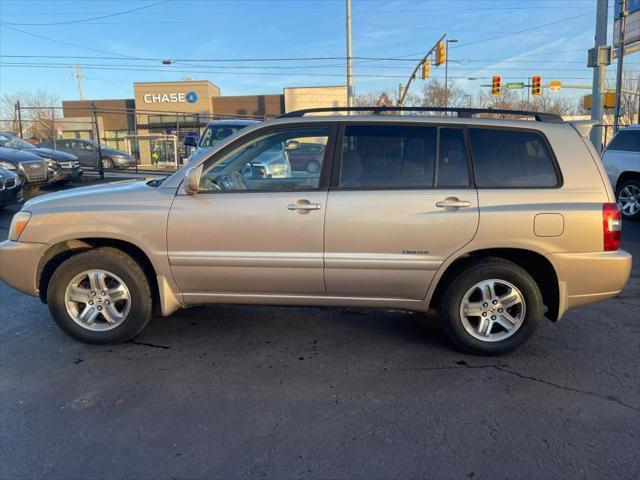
point(590, 277)
point(19, 265)
point(63, 174)
point(11, 195)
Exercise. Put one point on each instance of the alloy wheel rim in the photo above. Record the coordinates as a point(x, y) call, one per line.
point(492, 310)
point(97, 300)
point(629, 200)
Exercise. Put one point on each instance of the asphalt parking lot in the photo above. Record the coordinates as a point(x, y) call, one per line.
point(270, 392)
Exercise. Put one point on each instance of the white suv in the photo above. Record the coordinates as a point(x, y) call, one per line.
point(622, 161)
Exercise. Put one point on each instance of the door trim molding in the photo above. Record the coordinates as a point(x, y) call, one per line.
point(246, 259)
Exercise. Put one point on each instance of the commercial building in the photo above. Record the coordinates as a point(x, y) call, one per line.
point(153, 124)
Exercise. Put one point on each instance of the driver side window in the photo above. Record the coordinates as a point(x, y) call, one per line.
point(281, 160)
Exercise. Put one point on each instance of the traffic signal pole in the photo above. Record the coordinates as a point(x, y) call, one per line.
point(597, 100)
point(415, 70)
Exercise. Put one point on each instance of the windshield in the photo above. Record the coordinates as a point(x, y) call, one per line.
point(17, 143)
point(216, 133)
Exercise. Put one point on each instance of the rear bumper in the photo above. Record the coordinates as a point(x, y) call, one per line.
point(121, 162)
point(19, 264)
point(590, 277)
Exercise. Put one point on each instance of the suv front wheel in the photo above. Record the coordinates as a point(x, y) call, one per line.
point(100, 296)
point(491, 307)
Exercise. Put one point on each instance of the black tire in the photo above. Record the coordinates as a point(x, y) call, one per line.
point(312, 166)
point(485, 269)
point(634, 185)
point(118, 263)
point(107, 164)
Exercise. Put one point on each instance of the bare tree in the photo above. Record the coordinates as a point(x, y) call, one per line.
point(628, 100)
point(434, 93)
point(380, 99)
point(38, 111)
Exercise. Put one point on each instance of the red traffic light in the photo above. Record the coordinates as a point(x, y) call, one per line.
point(536, 87)
point(495, 85)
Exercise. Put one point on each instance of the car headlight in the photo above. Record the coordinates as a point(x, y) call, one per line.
point(18, 224)
point(51, 163)
point(7, 165)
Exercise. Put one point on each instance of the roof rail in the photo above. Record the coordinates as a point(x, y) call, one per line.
point(462, 112)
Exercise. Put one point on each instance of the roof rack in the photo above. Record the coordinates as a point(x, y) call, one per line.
point(462, 112)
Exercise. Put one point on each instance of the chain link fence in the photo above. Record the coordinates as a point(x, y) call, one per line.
point(113, 139)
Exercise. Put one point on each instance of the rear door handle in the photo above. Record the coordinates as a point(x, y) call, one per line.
point(453, 203)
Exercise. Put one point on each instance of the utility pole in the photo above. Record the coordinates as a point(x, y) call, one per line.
point(597, 101)
point(349, 58)
point(78, 76)
point(623, 23)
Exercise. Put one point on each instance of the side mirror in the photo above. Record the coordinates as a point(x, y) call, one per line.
point(292, 145)
point(190, 141)
point(192, 180)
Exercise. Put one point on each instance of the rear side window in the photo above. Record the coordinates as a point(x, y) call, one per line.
point(452, 169)
point(378, 156)
point(626, 141)
point(511, 158)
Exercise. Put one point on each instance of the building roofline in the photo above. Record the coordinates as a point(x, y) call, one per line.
point(177, 81)
point(317, 86)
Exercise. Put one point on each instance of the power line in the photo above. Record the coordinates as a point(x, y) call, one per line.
point(257, 68)
point(562, 20)
point(292, 59)
point(159, 70)
point(109, 15)
point(66, 43)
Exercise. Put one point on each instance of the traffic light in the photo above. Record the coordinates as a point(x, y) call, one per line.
point(535, 85)
point(426, 69)
point(495, 86)
point(441, 53)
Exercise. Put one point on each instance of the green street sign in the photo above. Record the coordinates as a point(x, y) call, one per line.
point(514, 85)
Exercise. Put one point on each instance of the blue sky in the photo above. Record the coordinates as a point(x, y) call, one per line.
point(553, 40)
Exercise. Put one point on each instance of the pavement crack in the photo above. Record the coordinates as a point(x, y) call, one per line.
point(152, 345)
point(504, 369)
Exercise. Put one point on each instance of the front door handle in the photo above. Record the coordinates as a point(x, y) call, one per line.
point(453, 202)
point(303, 206)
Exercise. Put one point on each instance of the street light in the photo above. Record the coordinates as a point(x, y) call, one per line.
point(446, 73)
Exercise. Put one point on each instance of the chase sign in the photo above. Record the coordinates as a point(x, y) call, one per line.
point(191, 97)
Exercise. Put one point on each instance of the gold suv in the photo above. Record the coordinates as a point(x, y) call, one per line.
point(495, 223)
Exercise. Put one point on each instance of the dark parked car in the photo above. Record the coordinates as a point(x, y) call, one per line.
point(87, 153)
point(307, 157)
point(61, 166)
point(31, 169)
point(10, 188)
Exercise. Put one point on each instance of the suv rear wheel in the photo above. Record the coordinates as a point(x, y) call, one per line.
point(491, 307)
point(100, 296)
point(629, 199)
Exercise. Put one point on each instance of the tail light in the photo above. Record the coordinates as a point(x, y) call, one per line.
point(611, 226)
